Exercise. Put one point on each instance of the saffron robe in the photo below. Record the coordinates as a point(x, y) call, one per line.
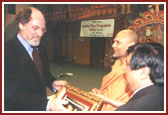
point(114, 86)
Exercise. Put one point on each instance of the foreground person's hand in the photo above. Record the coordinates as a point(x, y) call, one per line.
point(57, 104)
point(58, 84)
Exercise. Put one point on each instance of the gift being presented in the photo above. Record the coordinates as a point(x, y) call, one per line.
point(79, 100)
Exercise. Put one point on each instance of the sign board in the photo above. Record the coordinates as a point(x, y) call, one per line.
point(97, 28)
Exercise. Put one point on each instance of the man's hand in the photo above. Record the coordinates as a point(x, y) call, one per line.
point(112, 102)
point(58, 84)
point(57, 104)
point(109, 101)
point(96, 91)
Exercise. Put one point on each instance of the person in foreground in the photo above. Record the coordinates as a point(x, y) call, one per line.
point(145, 77)
point(113, 84)
point(26, 68)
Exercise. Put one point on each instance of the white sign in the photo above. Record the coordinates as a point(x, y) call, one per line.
point(97, 28)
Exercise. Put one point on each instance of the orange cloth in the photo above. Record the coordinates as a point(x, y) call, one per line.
point(114, 86)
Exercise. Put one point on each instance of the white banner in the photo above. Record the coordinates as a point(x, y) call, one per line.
point(97, 28)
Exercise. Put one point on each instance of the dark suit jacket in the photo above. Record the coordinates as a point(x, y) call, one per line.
point(148, 99)
point(23, 90)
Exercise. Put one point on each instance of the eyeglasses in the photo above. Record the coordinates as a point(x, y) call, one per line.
point(36, 28)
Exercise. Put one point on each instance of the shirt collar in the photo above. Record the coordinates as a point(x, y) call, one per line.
point(23, 42)
point(28, 48)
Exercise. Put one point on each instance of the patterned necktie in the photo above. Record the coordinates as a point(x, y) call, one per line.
point(37, 62)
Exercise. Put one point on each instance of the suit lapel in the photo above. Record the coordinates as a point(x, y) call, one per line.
point(25, 57)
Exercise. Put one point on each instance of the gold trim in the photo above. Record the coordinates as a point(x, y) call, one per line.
point(95, 101)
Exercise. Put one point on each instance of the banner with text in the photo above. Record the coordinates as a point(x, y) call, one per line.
point(97, 28)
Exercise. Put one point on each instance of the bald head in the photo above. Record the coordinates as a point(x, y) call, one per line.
point(25, 15)
point(122, 41)
point(129, 35)
point(36, 14)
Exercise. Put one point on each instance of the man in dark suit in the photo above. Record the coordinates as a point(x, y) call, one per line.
point(26, 75)
point(145, 77)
